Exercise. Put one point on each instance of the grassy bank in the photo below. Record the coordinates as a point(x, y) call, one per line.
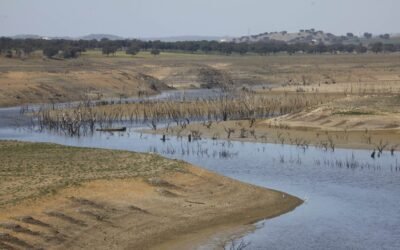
point(62, 197)
point(31, 170)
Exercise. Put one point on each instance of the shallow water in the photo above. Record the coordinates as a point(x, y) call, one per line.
point(351, 200)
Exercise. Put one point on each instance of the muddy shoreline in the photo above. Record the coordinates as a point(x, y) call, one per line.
point(328, 139)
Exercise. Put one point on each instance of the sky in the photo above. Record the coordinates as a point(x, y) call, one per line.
point(166, 18)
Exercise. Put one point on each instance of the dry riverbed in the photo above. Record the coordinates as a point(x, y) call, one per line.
point(58, 197)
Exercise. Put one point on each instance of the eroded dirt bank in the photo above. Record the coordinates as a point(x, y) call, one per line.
point(57, 197)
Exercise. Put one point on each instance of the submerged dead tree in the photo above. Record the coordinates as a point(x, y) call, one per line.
point(86, 116)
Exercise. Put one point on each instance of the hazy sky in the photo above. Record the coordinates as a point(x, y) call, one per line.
point(155, 18)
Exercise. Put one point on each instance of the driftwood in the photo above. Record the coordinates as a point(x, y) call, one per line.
point(123, 129)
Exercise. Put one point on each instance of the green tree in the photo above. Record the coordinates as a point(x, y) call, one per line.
point(109, 49)
point(385, 36)
point(241, 48)
point(71, 52)
point(51, 51)
point(155, 52)
point(377, 47)
point(133, 50)
point(361, 49)
point(367, 35)
point(28, 49)
point(226, 48)
point(389, 47)
point(9, 54)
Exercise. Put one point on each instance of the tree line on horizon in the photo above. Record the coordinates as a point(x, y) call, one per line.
point(73, 48)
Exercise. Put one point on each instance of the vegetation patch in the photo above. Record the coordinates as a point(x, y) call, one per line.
point(353, 112)
point(31, 170)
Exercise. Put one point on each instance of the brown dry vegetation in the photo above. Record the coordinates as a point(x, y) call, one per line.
point(346, 121)
point(244, 105)
point(360, 107)
point(57, 197)
point(351, 99)
point(37, 80)
point(60, 197)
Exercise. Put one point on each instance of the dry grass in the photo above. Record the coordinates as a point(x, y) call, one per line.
point(313, 92)
point(31, 170)
point(123, 200)
point(37, 80)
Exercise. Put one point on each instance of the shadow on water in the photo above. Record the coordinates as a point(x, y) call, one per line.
point(351, 200)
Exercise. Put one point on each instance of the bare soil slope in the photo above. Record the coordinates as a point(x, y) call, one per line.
point(39, 80)
point(97, 76)
point(56, 197)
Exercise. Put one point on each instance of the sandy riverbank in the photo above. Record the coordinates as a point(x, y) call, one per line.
point(299, 136)
point(330, 125)
point(57, 197)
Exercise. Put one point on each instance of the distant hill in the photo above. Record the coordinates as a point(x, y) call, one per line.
point(100, 36)
point(26, 36)
point(186, 38)
point(303, 36)
point(312, 36)
point(87, 37)
point(114, 37)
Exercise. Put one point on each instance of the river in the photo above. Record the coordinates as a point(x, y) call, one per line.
point(351, 200)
